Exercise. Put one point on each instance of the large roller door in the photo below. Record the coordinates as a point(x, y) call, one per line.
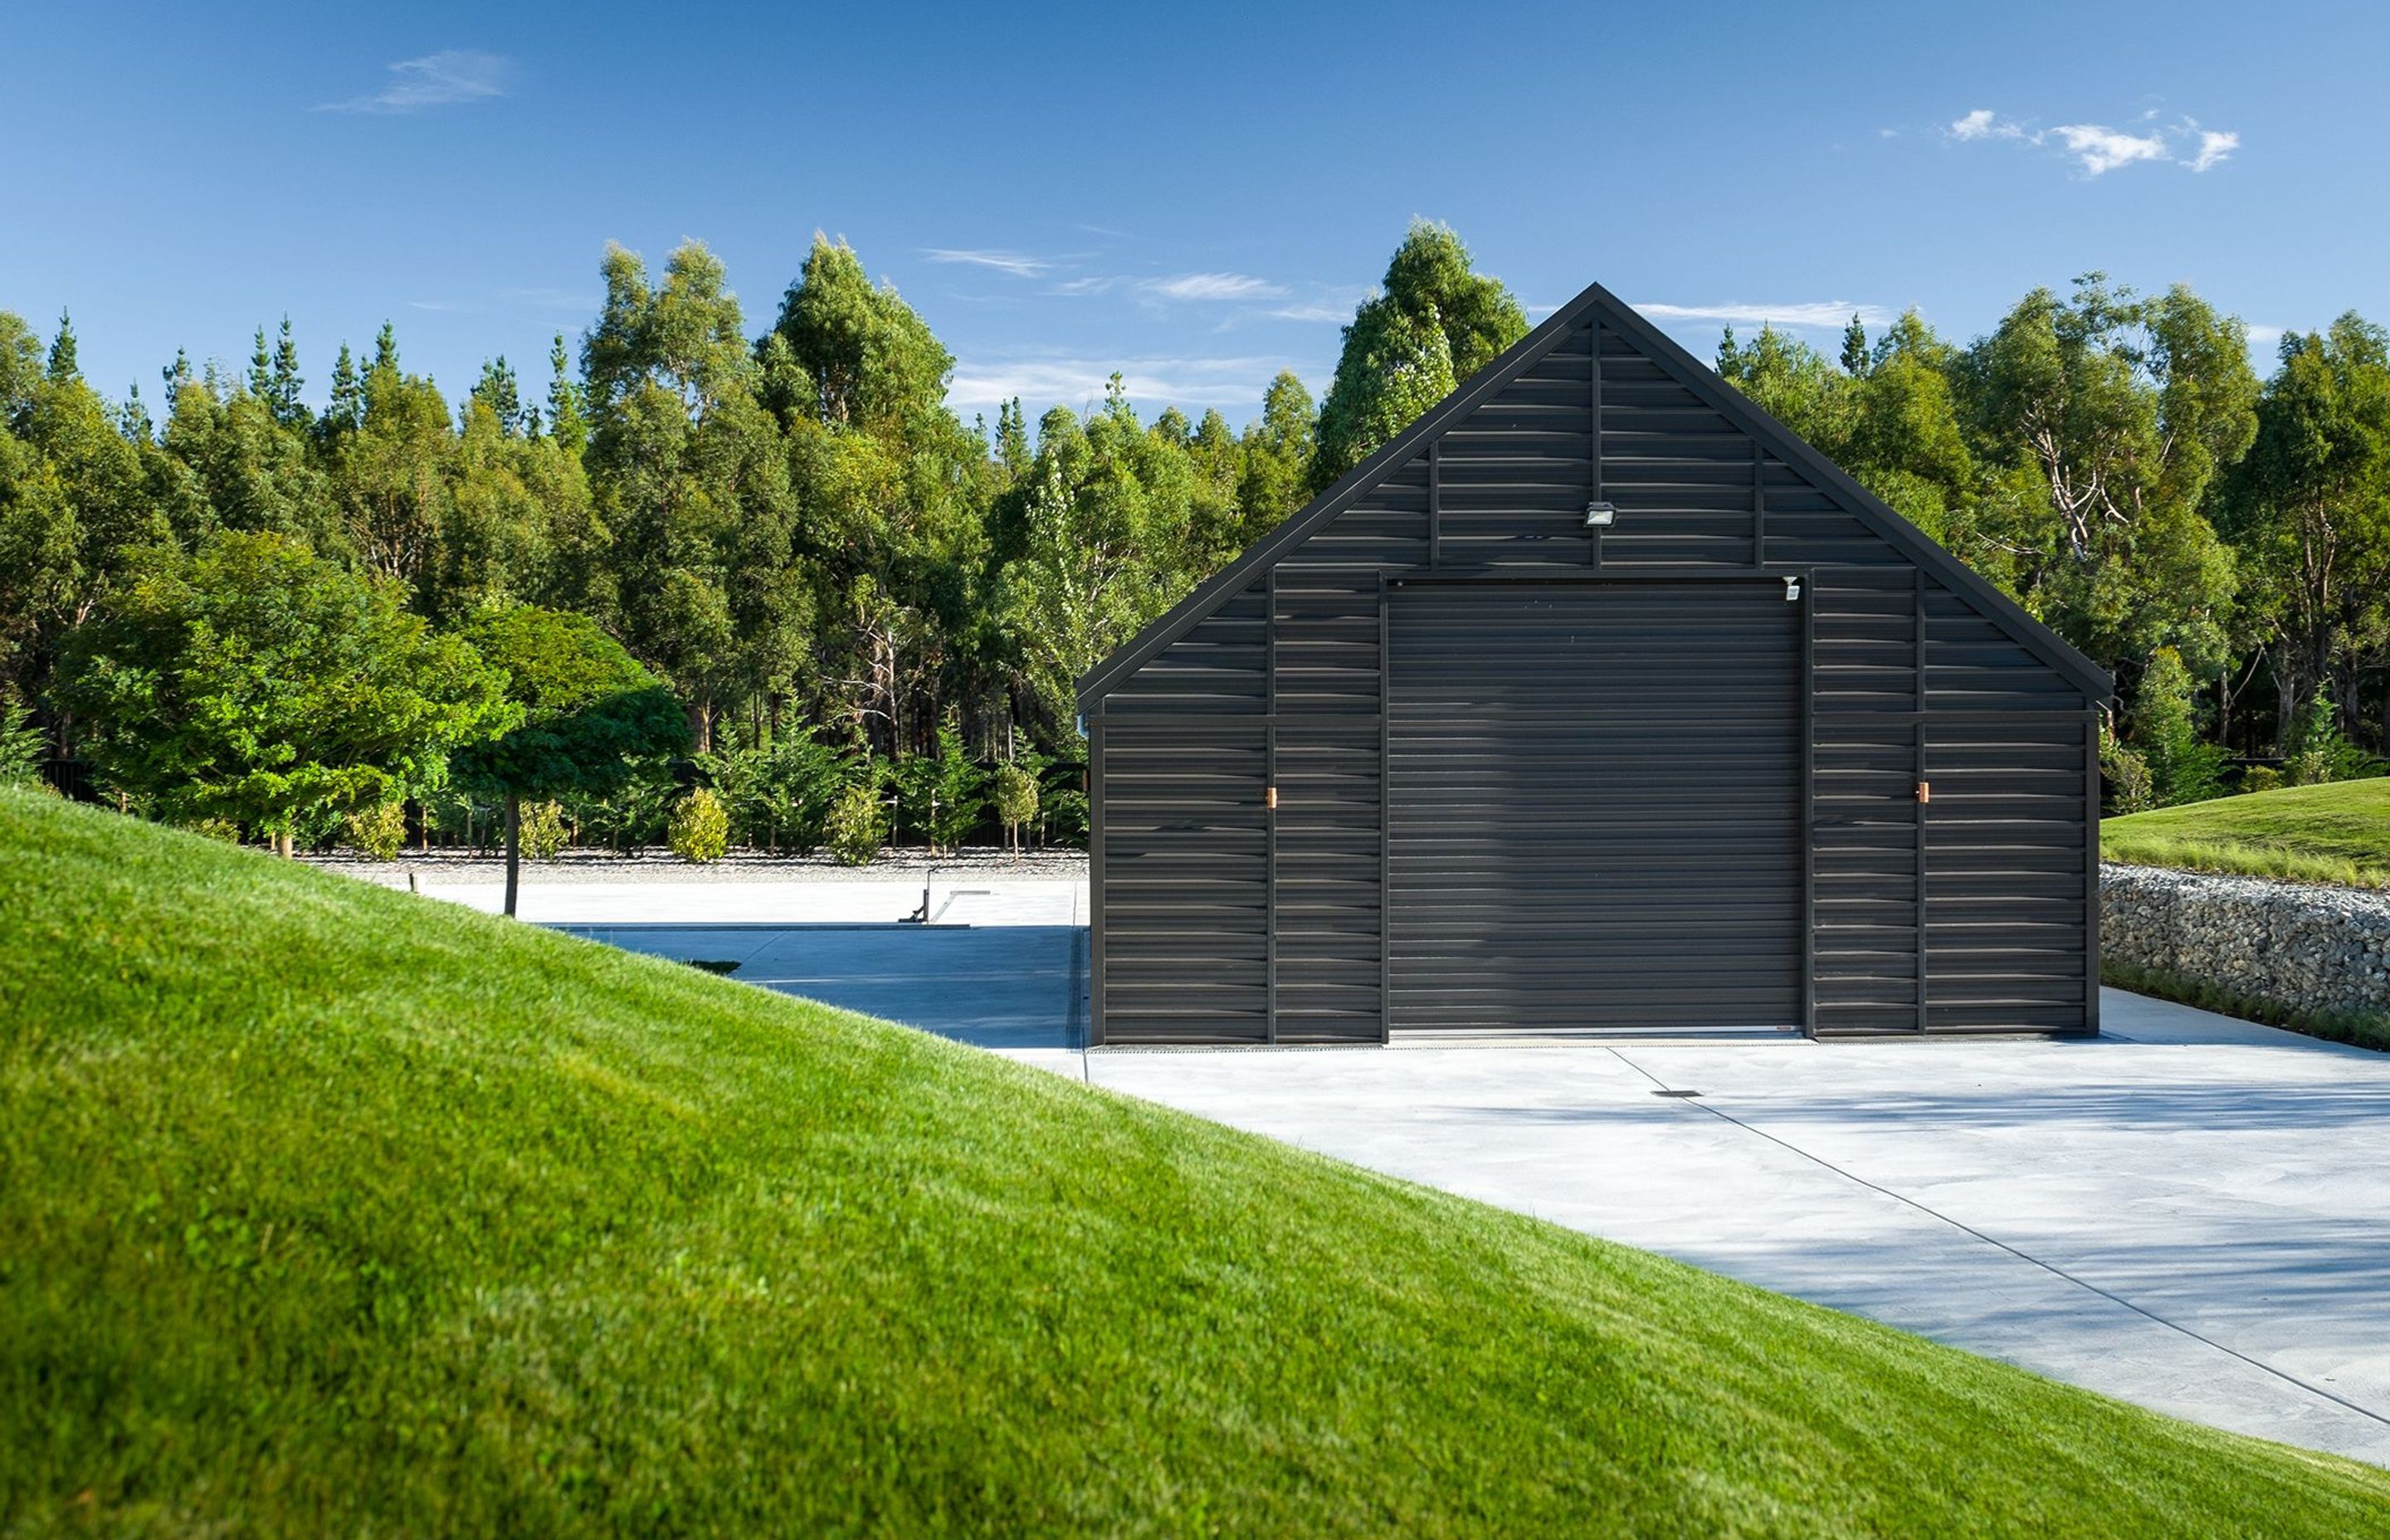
point(1594, 793)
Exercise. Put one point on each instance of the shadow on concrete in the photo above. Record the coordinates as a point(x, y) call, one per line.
point(2138, 1107)
point(998, 986)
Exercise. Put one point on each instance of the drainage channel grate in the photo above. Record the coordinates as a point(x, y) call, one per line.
point(1677, 1094)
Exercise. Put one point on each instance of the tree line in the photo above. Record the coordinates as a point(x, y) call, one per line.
point(782, 585)
point(2219, 542)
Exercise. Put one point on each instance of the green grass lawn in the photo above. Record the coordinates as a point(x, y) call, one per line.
point(327, 1210)
point(2336, 833)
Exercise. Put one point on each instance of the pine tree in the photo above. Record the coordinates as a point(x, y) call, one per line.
point(284, 385)
point(347, 412)
point(567, 423)
point(261, 370)
point(385, 349)
point(1012, 440)
point(498, 391)
point(133, 417)
point(63, 366)
point(1855, 349)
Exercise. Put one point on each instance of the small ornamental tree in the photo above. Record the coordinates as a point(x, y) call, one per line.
point(589, 714)
point(254, 682)
point(1016, 800)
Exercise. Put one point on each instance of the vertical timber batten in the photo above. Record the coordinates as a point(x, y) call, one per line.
point(1923, 810)
point(1435, 503)
point(1593, 426)
point(2091, 868)
point(1758, 504)
point(1809, 804)
point(1269, 807)
point(1385, 824)
point(1095, 880)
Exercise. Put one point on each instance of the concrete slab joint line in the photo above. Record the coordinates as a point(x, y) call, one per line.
point(2020, 1255)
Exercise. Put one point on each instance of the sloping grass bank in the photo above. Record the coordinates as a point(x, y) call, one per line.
point(2337, 833)
point(327, 1210)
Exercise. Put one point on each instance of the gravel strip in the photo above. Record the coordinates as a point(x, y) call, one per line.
point(662, 867)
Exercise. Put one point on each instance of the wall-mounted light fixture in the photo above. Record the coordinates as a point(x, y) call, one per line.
point(1600, 515)
point(1792, 589)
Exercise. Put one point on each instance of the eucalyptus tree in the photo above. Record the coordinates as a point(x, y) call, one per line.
point(1101, 549)
point(1434, 322)
point(1277, 449)
point(2309, 511)
point(2121, 408)
point(893, 491)
point(690, 482)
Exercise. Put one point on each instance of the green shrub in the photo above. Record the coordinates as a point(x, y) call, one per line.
point(2130, 788)
point(2183, 768)
point(377, 833)
point(2320, 753)
point(21, 743)
point(213, 829)
point(700, 829)
point(2260, 778)
point(541, 830)
point(852, 830)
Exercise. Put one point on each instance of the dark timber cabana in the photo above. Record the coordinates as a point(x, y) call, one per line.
point(1595, 701)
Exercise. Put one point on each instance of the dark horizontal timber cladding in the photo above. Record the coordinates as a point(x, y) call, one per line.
point(1570, 842)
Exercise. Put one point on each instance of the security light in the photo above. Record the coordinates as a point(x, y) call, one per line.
point(1600, 516)
point(1791, 588)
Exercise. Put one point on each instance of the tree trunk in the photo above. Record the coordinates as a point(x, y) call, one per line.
point(514, 846)
point(282, 845)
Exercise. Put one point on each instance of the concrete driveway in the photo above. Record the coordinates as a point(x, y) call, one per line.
point(2189, 1212)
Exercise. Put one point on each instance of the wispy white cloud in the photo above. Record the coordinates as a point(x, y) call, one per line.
point(2102, 149)
point(2264, 339)
point(1210, 285)
point(1313, 311)
point(2097, 149)
point(545, 298)
point(1044, 380)
point(1083, 286)
point(2214, 148)
point(1017, 263)
point(1982, 123)
point(1802, 313)
point(443, 78)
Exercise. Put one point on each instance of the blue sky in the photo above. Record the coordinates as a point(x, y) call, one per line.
point(1194, 198)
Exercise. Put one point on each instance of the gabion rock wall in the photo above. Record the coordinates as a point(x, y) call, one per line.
point(2302, 947)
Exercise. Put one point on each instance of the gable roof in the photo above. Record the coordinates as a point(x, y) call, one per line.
point(1598, 305)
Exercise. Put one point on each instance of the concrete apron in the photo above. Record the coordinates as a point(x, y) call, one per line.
point(2191, 1212)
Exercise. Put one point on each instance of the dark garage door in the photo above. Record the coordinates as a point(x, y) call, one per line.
point(1595, 807)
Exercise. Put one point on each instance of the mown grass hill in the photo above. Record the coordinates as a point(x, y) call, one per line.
point(325, 1209)
point(2338, 833)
